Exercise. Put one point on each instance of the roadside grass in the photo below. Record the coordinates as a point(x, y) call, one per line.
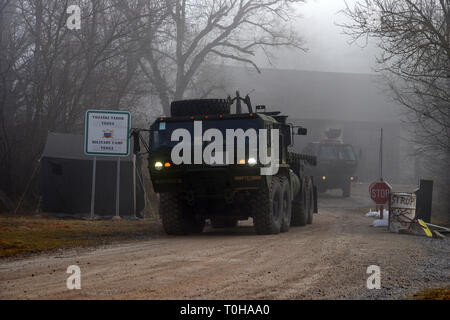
point(23, 235)
point(433, 294)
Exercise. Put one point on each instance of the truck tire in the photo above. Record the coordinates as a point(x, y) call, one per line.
point(174, 220)
point(266, 209)
point(300, 210)
point(286, 205)
point(346, 189)
point(224, 223)
point(202, 107)
point(196, 225)
point(310, 203)
point(321, 189)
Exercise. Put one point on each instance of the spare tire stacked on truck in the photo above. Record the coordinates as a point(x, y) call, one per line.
point(201, 107)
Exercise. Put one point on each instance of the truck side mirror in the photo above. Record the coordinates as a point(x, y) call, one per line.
point(302, 131)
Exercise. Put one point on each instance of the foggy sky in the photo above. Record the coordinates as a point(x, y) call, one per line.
point(328, 49)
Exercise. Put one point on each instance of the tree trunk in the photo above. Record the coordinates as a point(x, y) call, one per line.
point(180, 85)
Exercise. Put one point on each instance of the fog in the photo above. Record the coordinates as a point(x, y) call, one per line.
point(141, 59)
point(328, 48)
point(333, 84)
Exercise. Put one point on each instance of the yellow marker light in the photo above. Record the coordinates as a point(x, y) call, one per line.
point(324, 178)
point(158, 166)
point(242, 162)
point(167, 165)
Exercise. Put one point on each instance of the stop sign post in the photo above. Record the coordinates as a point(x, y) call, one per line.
point(380, 192)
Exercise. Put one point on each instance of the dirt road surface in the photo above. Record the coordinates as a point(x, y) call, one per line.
point(325, 260)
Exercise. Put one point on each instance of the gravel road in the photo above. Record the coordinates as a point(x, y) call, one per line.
point(325, 260)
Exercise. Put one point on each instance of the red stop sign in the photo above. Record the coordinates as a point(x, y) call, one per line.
point(380, 192)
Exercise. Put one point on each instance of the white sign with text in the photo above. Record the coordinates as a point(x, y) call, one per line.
point(107, 133)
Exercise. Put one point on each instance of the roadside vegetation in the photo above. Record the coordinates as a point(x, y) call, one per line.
point(23, 235)
point(433, 294)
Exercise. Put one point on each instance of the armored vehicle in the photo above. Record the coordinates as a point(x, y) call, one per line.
point(228, 184)
point(336, 163)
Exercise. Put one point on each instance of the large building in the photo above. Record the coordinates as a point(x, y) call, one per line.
point(359, 104)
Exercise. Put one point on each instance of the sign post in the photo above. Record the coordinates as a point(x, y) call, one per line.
point(381, 154)
point(118, 189)
point(380, 191)
point(107, 133)
point(134, 185)
point(94, 175)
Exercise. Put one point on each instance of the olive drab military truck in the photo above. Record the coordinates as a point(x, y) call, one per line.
point(336, 163)
point(234, 189)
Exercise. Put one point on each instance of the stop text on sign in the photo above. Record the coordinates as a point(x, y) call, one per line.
point(380, 192)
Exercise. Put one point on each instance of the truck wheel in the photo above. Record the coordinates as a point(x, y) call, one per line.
point(196, 225)
point(300, 210)
point(224, 223)
point(286, 205)
point(310, 204)
point(321, 189)
point(201, 107)
point(346, 190)
point(267, 209)
point(174, 220)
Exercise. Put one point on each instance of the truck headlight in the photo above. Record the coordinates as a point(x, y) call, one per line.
point(252, 162)
point(159, 166)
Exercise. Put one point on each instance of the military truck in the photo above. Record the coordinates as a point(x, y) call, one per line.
point(336, 163)
point(228, 191)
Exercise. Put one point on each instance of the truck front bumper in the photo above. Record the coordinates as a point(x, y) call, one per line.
point(207, 181)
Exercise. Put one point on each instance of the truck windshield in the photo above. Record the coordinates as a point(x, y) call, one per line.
point(162, 132)
point(328, 153)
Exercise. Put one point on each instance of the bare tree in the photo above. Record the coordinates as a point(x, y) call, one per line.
point(414, 38)
point(125, 50)
point(190, 34)
point(50, 75)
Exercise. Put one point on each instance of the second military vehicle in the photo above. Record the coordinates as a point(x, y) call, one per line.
point(235, 189)
point(336, 163)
